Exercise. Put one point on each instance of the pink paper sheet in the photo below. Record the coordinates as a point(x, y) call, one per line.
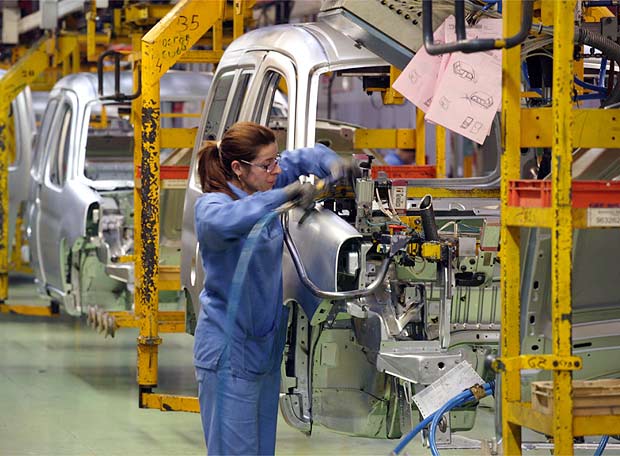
point(462, 92)
point(417, 81)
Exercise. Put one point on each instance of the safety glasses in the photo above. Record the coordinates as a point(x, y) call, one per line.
point(270, 167)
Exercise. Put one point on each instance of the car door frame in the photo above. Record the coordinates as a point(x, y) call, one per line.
point(192, 273)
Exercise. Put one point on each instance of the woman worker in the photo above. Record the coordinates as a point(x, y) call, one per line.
point(244, 178)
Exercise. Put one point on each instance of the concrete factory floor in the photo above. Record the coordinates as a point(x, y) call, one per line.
point(65, 390)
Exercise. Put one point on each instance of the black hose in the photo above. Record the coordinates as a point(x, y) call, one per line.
point(610, 48)
point(429, 224)
point(472, 45)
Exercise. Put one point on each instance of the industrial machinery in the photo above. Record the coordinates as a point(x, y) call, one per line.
point(353, 363)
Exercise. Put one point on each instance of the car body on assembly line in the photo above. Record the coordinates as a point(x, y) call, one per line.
point(80, 211)
point(351, 364)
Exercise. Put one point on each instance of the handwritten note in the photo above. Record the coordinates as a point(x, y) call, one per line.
point(462, 92)
point(417, 81)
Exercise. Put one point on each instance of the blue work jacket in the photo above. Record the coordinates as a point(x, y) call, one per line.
point(222, 227)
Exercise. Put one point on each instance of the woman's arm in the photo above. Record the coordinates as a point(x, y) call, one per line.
point(317, 160)
point(221, 220)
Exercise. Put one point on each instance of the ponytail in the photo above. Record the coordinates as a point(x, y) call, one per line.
point(242, 142)
point(212, 173)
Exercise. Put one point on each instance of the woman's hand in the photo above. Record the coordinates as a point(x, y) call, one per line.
point(302, 195)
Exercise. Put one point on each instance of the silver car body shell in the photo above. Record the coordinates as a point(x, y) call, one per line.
point(57, 216)
point(302, 53)
point(308, 50)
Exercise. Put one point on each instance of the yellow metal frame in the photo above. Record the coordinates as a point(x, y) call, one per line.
point(167, 43)
point(392, 96)
point(440, 150)
point(561, 218)
point(17, 77)
point(35, 311)
point(591, 128)
point(439, 192)
point(168, 321)
point(420, 128)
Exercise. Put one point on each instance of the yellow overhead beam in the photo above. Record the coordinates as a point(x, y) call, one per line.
point(388, 138)
point(591, 128)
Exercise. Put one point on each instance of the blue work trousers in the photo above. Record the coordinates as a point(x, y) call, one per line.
point(239, 416)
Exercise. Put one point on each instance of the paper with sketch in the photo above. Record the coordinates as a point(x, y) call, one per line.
point(468, 93)
point(417, 81)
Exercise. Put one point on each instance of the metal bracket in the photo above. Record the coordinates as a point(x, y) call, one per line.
point(142, 340)
point(118, 95)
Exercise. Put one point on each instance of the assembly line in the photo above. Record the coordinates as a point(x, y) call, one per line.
point(321, 227)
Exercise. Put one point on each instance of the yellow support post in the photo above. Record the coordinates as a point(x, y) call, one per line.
point(238, 18)
point(68, 54)
point(440, 150)
point(562, 229)
point(91, 24)
point(420, 150)
point(391, 96)
point(162, 47)
point(33, 63)
point(509, 236)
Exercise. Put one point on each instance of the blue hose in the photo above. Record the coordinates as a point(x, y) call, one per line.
point(585, 85)
point(462, 398)
point(405, 441)
point(435, 417)
point(601, 445)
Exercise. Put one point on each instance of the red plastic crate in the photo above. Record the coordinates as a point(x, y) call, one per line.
point(169, 172)
point(405, 171)
point(537, 193)
point(174, 172)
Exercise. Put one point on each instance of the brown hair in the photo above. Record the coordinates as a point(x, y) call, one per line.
point(242, 141)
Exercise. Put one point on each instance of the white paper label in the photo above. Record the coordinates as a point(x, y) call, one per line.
point(453, 382)
point(603, 216)
point(399, 194)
